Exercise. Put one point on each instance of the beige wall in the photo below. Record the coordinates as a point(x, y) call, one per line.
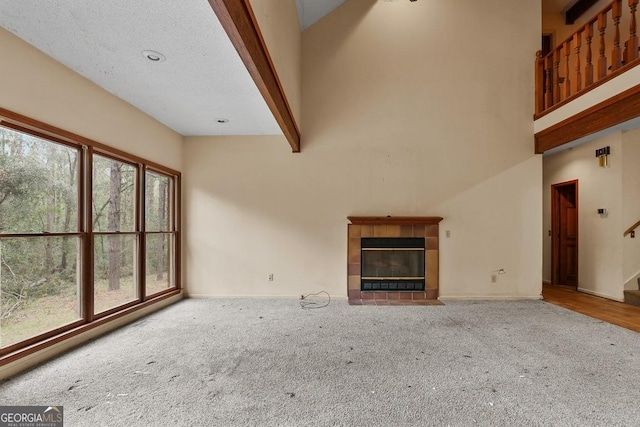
point(401, 116)
point(630, 207)
point(600, 251)
point(37, 86)
point(278, 21)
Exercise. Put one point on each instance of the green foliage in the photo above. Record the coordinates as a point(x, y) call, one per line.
point(39, 194)
point(18, 177)
point(37, 185)
point(102, 202)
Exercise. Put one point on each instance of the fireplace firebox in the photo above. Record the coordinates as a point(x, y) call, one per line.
point(392, 264)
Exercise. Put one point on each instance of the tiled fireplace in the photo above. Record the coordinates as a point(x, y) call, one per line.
point(393, 260)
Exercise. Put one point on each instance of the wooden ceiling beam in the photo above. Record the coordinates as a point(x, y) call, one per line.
point(238, 20)
point(576, 11)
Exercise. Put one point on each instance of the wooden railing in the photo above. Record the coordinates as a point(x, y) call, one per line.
point(631, 230)
point(570, 69)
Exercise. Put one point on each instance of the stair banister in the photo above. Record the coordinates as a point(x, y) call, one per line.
point(631, 229)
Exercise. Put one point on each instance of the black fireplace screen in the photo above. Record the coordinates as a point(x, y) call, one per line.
point(392, 264)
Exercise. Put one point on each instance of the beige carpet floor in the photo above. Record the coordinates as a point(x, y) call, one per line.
point(251, 362)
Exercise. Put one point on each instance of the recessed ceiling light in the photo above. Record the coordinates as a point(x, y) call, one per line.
point(154, 56)
point(222, 120)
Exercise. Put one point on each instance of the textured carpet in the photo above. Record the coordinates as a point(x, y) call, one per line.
point(256, 362)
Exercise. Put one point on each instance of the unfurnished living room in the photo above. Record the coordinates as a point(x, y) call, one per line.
point(319, 212)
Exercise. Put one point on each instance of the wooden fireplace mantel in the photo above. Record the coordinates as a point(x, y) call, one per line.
point(394, 220)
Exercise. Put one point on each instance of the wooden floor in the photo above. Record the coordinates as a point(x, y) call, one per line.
point(617, 313)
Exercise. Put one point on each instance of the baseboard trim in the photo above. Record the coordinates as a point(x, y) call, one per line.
point(296, 297)
point(546, 282)
point(490, 298)
point(599, 294)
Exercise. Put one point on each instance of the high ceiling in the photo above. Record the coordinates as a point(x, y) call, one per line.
point(201, 82)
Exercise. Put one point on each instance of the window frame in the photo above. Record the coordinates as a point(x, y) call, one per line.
point(172, 229)
point(86, 149)
point(137, 212)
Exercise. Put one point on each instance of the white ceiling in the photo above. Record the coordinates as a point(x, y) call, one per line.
point(202, 80)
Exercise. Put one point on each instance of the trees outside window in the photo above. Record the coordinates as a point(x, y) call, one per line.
point(115, 233)
point(158, 231)
point(39, 236)
point(85, 231)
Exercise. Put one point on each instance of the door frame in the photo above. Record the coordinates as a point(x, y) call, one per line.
point(555, 230)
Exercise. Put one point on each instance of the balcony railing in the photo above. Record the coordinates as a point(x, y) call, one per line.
point(570, 69)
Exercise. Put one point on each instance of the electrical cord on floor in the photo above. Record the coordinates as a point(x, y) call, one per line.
point(309, 305)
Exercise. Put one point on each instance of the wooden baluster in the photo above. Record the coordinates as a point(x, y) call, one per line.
point(548, 75)
point(602, 60)
point(632, 44)
point(588, 68)
point(577, 76)
point(557, 92)
point(616, 53)
point(567, 81)
point(540, 83)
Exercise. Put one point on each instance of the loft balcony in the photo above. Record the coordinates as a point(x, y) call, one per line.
point(590, 81)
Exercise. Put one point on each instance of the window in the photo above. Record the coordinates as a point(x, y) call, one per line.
point(85, 232)
point(160, 237)
point(39, 236)
point(115, 241)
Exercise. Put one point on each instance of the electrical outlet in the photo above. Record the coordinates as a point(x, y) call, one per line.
point(494, 278)
point(271, 277)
